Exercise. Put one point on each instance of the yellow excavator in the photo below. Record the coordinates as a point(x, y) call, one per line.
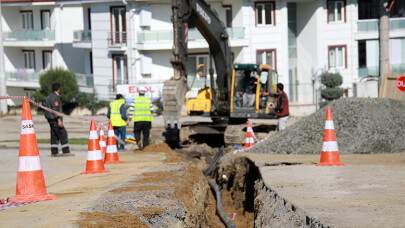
point(233, 96)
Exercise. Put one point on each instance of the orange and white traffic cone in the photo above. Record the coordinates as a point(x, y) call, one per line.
point(101, 138)
point(30, 178)
point(330, 151)
point(250, 136)
point(111, 155)
point(95, 162)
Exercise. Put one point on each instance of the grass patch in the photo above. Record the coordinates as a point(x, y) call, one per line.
point(73, 141)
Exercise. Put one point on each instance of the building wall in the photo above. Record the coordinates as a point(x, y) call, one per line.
point(100, 26)
point(308, 65)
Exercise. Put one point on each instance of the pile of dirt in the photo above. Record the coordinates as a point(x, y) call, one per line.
point(361, 126)
point(200, 155)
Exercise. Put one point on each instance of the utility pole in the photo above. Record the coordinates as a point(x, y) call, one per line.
point(3, 92)
point(384, 24)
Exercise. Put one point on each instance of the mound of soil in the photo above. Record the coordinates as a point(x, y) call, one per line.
point(361, 126)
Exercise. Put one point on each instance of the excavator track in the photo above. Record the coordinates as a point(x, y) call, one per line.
point(174, 92)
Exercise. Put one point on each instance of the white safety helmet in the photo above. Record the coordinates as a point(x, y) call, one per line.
point(142, 90)
point(254, 74)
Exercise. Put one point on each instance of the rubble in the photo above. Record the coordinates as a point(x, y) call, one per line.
point(362, 125)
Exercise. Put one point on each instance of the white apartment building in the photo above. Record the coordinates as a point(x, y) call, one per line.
point(125, 44)
point(38, 35)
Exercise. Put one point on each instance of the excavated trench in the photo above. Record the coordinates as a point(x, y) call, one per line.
point(255, 204)
point(178, 195)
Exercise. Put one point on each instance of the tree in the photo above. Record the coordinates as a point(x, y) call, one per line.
point(91, 102)
point(68, 84)
point(331, 92)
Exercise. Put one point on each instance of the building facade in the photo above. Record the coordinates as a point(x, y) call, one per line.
point(126, 44)
point(37, 36)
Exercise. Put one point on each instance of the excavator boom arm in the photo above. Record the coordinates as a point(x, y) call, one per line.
point(206, 20)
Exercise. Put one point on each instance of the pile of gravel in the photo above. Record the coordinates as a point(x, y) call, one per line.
point(362, 125)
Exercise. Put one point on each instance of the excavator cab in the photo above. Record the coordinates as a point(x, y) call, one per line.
point(249, 81)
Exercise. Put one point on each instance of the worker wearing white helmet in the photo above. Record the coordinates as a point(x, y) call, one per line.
point(142, 118)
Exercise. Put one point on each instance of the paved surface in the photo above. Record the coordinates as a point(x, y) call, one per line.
point(76, 193)
point(368, 192)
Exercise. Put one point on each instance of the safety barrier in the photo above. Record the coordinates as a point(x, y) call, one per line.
point(61, 114)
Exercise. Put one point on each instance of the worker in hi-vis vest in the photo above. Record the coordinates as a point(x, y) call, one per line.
point(117, 113)
point(142, 118)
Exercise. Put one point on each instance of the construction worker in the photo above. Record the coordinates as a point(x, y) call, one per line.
point(117, 113)
point(142, 118)
point(282, 109)
point(58, 131)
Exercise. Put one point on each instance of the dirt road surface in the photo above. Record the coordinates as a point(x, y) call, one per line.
point(75, 192)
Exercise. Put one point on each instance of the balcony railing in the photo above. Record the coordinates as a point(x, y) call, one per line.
point(375, 70)
point(193, 34)
point(82, 36)
point(117, 39)
point(372, 25)
point(85, 80)
point(398, 68)
point(29, 35)
point(23, 75)
point(29, 75)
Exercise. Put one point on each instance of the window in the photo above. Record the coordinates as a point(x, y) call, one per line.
point(336, 11)
point(120, 74)
point(267, 57)
point(45, 19)
point(27, 20)
point(362, 53)
point(369, 9)
point(46, 60)
point(118, 25)
point(265, 13)
point(29, 59)
point(89, 18)
point(198, 66)
point(91, 62)
point(337, 57)
point(228, 16)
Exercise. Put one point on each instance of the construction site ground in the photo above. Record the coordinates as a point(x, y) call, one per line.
point(161, 188)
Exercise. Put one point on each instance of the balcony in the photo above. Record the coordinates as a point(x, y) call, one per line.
point(398, 68)
point(193, 34)
point(369, 71)
point(42, 38)
point(23, 78)
point(368, 29)
point(85, 80)
point(163, 39)
point(372, 25)
point(30, 78)
point(117, 41)
point(375, 71)
point(82, 39)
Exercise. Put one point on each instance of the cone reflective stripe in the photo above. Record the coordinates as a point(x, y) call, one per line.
point(250, 141)
point(95, 162)
point(111, 155)
point(102, 140)
point(30, 178)
point(330, 150)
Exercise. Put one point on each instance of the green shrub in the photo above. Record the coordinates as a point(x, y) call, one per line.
point(90, 101)
point(332, 93)
point(66, 79)
point(159, 104)
point(331, 80)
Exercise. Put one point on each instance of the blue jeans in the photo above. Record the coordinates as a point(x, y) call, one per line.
point(121, 132)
